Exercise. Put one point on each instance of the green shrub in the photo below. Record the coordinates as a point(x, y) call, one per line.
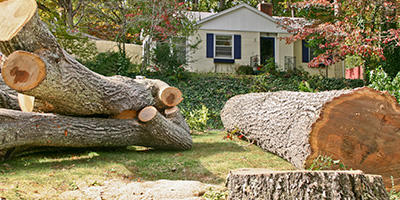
point(197, 119)
point(244, 70)
point(381, 81)
point(110, 63)
point(168, 59)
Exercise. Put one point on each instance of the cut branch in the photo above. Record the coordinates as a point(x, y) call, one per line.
point(28, 129)
point(165, 95)
point(361, 128)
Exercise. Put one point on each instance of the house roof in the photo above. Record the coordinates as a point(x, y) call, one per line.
point(241, 18)
point(198, 16)
point(211, 17)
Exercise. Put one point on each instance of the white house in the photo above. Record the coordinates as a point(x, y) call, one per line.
point(242, 35)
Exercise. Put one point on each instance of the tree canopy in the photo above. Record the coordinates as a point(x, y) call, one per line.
point(368, 29)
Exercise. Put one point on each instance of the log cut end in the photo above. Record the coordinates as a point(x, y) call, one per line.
point(170, 111)
point(368, 118)
point(171, 96)
point(14, 15)
point(147, 114)
point(26, 103)
point(23, 71)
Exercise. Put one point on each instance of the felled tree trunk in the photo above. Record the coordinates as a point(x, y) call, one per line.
point(361, 128)
point(29, 129)
point(102, 111)
point(267, 184)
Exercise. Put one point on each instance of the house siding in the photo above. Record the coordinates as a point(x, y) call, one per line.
point(249, 47)
point(284, 50)
point(243, 19)
point(334, 71)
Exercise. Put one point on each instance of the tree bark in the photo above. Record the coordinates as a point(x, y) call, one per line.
point(165, 96)
point(54, 76)
point(174, 115)
point(28, 129)
point(267, 184)
point(361, 128)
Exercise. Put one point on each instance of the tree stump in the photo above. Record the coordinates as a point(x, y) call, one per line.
point(266, 184)
point(361, 127)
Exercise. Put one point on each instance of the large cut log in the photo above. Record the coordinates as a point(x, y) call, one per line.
point(361, 127)
point(266, 184)
point(39, 67)
point(28, 129)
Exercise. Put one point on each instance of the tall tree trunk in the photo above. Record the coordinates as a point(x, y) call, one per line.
point(361, 128)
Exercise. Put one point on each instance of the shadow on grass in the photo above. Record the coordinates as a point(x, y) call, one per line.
point(139, 162)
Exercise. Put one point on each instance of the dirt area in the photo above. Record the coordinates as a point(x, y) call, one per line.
point(148, 190)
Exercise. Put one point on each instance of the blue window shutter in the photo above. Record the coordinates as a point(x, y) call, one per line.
point(306, 52)
point(210, 45)
point(238, 47)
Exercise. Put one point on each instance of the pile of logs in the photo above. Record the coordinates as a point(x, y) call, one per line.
point(88, 109)
point(360, 128)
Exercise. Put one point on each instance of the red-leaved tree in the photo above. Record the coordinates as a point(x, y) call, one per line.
point(364, 28)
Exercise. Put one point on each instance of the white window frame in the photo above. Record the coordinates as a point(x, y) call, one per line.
point(232, 46)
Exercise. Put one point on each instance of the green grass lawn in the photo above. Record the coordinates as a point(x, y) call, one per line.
point(47, 174)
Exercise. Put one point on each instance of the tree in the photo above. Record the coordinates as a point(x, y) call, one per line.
point(91, 110)
point(161, 21)
point(64, 18)
point(364, 28)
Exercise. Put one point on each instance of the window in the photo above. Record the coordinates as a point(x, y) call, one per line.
point(223, 46)
point(308, 52)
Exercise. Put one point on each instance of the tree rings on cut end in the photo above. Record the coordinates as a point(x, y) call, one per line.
point(14, 15)
point(171, 96)
point(23, 71)
point(147, 114)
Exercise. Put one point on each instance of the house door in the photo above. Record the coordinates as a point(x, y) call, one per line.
point(267, 49)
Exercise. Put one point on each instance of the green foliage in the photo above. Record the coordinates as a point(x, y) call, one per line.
point(216, 194)
point(197, 119)
point(244, 70)
point(381, 81)
point(304, 86)
point(110, 63)
point(326, 162)
point(60, 21)
point(392, 193)
point(168, 59)
point(76, 44)
point(295, 81)
point(271, 67)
